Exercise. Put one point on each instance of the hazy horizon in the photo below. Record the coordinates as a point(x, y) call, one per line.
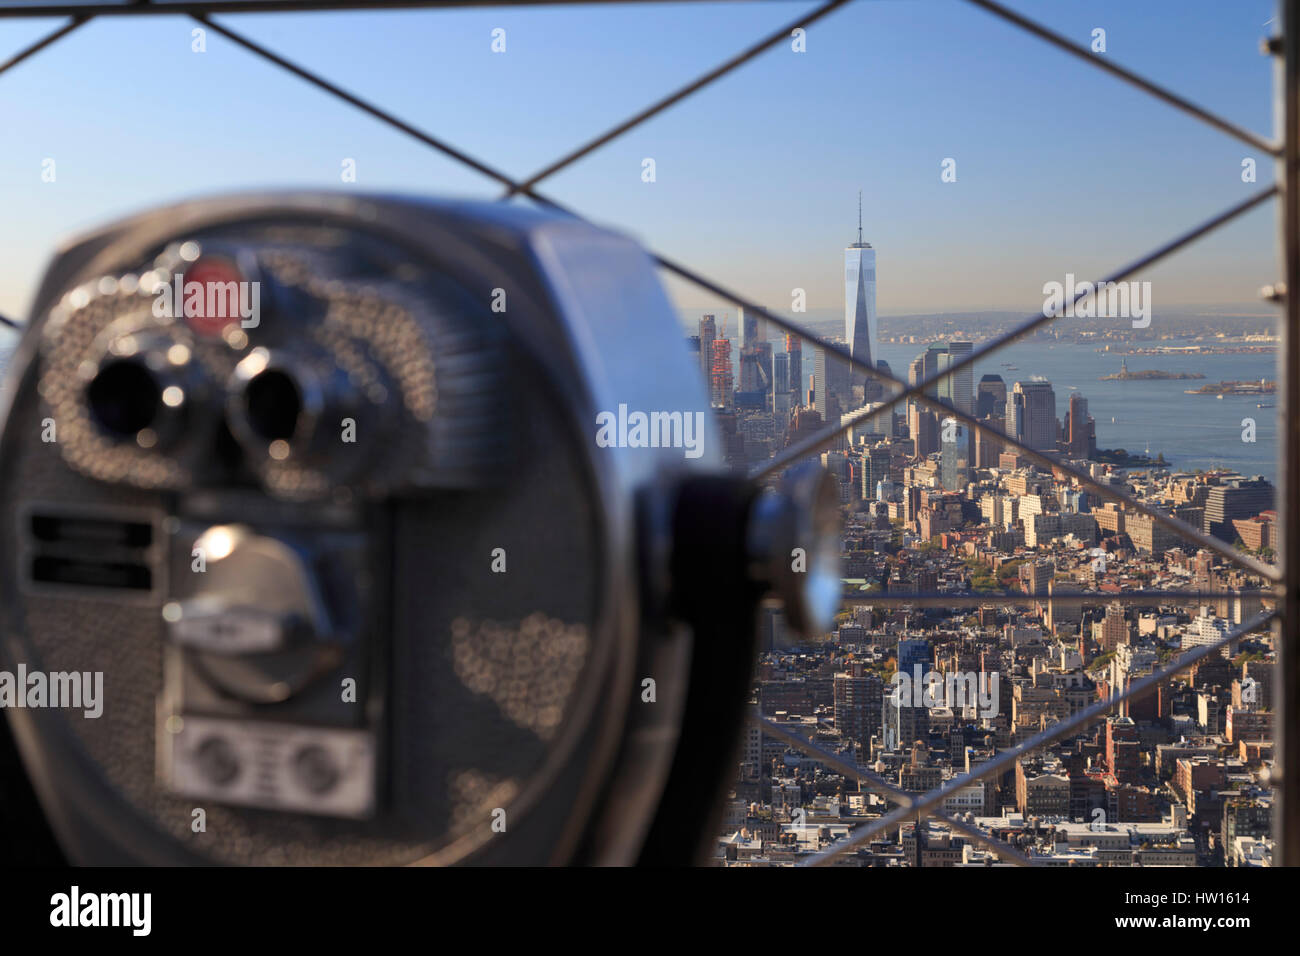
point(757, 176)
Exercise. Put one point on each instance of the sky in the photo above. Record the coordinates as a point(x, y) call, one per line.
point(1060, 168)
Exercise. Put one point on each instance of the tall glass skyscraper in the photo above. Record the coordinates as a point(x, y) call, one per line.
point(955, 444)
point(860, 308)
point(963, 397)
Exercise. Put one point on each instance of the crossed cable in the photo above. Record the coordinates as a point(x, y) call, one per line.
point(925, 804)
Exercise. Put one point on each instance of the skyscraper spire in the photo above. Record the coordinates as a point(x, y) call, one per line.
point(860, 309)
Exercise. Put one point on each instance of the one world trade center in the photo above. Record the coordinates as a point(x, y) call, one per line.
point(860, 309)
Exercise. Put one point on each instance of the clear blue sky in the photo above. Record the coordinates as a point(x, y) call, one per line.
point(1059, 167)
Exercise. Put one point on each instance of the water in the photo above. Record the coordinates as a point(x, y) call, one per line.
point(1192, 431)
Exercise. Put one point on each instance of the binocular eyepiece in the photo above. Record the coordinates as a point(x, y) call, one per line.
point(141, 388)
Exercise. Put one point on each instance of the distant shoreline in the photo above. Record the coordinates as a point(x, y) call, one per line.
point(1149, 374)
point(1235, 388)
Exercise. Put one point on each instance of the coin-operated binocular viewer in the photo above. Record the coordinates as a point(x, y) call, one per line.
point(384, 531)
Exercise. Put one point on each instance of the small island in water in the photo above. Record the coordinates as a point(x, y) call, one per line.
point(1120, 456)
point(1262, 387)
point(1124, 375)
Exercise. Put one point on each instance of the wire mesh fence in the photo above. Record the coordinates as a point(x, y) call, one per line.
point(909, 805)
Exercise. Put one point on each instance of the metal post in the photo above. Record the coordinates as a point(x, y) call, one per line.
point(1286, 811)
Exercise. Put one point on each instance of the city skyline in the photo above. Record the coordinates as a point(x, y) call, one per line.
point(762, 374)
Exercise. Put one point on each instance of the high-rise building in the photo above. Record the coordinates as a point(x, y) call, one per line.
point(756, 372)
point(990, 406)
point(916, 370)
point(721, 393)
point(923, 422)
point(954, 392)
point(708, 333)
point(1114, 629)
point(992, 397)
point(923, 429)
point(875, 462)
point(857, 706)
point(860, 309)
point(752, 329)
point(883, 366)
point(959, 385)
point(933, 361)
point(781, 373)
point(1235, 498)
point(830, 381)
point(794, 351)
point(954, 443)
point(904, 723)
point(782, 396)
point(1014, 416)
point(1079, 433)
point(913, 651)
point(1031, 415)
point(988, 447)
